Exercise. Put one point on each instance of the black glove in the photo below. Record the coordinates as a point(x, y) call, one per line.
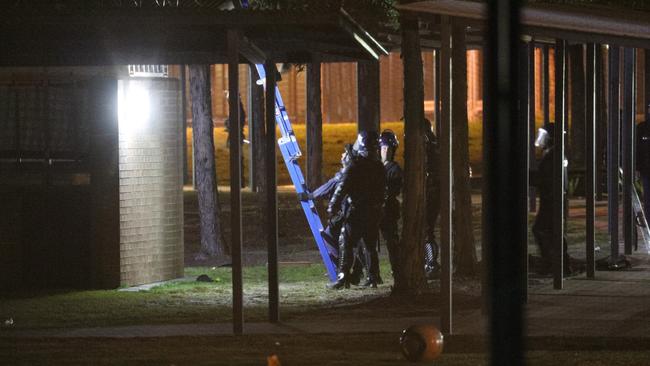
point(305, 196)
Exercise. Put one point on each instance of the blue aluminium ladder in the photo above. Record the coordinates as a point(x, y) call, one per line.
point(291, 152)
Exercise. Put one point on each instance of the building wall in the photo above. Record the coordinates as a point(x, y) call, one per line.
point(150, 183)
point(339, 88)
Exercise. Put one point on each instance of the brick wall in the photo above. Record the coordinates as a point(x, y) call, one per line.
point(150, 166)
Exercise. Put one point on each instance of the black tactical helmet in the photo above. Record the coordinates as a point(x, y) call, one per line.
point(366, 143)
point(545, 136)
point(388, 138)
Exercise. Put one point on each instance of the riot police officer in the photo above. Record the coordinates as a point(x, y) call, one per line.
point(432, 192)
point(546, 175)
point(388, 144)
point(332, 230)
point(363, 183)
point(643, 159)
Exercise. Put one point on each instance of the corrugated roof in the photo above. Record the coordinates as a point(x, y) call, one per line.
point(571, 22)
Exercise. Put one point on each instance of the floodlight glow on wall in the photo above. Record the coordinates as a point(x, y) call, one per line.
point(134, 107)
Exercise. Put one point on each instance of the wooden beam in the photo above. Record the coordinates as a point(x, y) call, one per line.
point(523, 144)
point(504, 197)
point(249, 50)
point(314, 126)
point(445, 141)
point(627, 146)
point(235, 182)
point(646, 86)
point(558, 164)
point(436, 89)
point(590, 157)
point(368, 95)
point(271, 205)
point(256, 125)
point(613, 150)
point(531, 119)
point(601, 121)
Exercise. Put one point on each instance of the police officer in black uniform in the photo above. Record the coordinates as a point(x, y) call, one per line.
point(543, 226)
point(332, 231)
point(388, 144)
point(363, 183)
point(643, 159)
point(432, 193)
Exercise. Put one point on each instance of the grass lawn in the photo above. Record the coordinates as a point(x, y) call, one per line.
point(302, 290)
point(335, 136)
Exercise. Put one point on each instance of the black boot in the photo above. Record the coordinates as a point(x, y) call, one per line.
point(345, 263)
point(341, 282)
point(369, 282)
point(372, 281)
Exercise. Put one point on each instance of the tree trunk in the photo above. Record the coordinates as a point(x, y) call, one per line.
point(577, 69)
point(212, 242)
point(409, 274)
point(464, 248)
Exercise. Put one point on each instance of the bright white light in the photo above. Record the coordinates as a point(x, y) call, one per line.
point(133, 107)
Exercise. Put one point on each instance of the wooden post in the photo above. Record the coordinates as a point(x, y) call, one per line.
point(646, 88)
point(590, 157)
point(627, 146)
point(256, 127)
point(464, 245)
point(271, 205)
point(532, 164)
point(525, 120)
point(445, 141)
point(235, 182)
point(601, 121)
point(613, 150)
point(368, 95)
point(558, 164)
point(314, 126)
point(504, 149)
